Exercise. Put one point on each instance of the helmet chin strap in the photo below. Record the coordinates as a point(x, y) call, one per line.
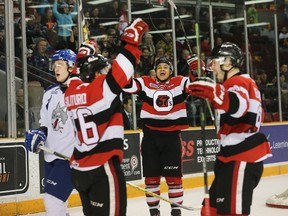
point(69, 75)
point(225, 72)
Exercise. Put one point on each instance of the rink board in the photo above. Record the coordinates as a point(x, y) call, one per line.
point(21, 174)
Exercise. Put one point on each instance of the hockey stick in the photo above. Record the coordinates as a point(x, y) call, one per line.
point(50, 151)
point(162, 198)
point(83, 23)
point(202, 119)
point(190, 50)
point(42, 147)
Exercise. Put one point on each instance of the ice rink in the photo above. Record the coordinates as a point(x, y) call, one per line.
point(193, 197)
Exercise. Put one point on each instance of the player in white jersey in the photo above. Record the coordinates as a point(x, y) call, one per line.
point(56, 132)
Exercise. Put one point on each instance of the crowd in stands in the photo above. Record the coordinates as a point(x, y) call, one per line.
point(51, 28)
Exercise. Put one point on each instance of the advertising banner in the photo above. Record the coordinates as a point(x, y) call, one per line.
point(193, 150)
point(131, 163)
point(277, 136)
point(13, 169)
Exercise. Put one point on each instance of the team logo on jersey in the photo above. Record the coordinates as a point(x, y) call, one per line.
point(59, 117)
point(163, 101)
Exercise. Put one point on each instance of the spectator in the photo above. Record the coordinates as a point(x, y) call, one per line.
point(257, 79)
point(106, 53)
point(103, 43)
point(205, 45)
point(283, 39)
point(252, 14)
point(182, 66)
point(167, 44)
point(123, 19)
point(48, 20)
point(226, 27)
point(2, 41)
point(2, 20)
point(160, 52)
point(94, 21)
point(112, 36)
point(64, 23)
point(127, 113)
point(284, 70)
point(145, 64)
point(152, 73)
point(73, 42)
point(284, 92)
point(39, 58)
point(148, 42)
point(113, 12)
point(218, 43)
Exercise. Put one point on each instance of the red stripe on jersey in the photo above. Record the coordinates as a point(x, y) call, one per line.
point(171, 128)
point(116, 188)
point(97, 159)
point(234, 187)
point(251, 155)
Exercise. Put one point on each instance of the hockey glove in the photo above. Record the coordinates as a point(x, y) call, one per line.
point(33, 139)
point(193, 67)
point(134, 32)
point(207, 88)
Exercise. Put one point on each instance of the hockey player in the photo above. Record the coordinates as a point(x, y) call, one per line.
point(95, 107)
point(163, 115)
point(239, 163)
point(56, 131)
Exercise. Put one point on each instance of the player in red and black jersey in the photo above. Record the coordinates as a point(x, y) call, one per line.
point(164, 115)
point(95, 107)
point(239, 163)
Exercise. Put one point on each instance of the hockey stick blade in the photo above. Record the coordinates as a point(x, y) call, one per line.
point(162, 198)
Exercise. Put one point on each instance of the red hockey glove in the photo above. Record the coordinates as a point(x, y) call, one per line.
point(193, 66)
point(87, 48)
point(134, 32)
point(207, 88)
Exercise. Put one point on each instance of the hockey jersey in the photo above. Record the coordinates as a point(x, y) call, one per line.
point(54, 116)
point(163, 107)
point(96, 110)
point(239, 127)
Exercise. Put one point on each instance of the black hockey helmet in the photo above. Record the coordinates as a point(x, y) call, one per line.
point(90, 64)
point(166, 60)
point(231, 50)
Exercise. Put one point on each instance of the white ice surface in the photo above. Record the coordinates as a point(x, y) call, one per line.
point(193, 197)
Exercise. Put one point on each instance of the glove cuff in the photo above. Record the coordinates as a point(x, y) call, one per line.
point(134, 50)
